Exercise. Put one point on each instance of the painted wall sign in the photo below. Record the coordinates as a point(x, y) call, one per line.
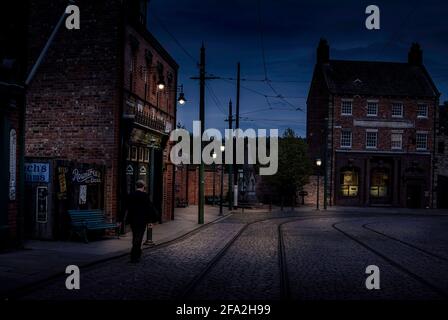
point(42, 204)
point(37, 172)
point(91, 176)
point(12, 164)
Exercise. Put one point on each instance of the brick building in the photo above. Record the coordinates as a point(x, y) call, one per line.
point(187, 187)
point(102, 103)
point(12, 78)
point(442, 157)
point(372, 124)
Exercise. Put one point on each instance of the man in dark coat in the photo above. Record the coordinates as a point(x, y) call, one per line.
point(140, 212)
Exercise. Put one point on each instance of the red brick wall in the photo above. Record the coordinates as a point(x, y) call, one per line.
point(73, 101)
point(193, 177)
point(359, 110)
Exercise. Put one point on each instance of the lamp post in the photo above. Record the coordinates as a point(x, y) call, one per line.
point(214, 155)
point(318, 164)
point(222, 183)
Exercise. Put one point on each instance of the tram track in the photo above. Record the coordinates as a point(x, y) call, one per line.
point(391, 261)
point(410, 245)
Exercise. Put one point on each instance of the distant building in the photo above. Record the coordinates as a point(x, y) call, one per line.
point(372, 124)
point(99, 113)
point(442, 158)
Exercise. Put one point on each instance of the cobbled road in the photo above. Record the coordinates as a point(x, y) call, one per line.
point(280, 255)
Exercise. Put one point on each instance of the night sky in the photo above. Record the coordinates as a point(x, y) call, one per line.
point(289, 31)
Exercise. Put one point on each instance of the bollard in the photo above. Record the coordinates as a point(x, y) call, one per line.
point(149, 235)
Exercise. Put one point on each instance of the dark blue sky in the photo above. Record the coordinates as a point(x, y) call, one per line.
point(291, 30)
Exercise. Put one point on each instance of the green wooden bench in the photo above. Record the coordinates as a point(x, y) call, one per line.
point(82, 221)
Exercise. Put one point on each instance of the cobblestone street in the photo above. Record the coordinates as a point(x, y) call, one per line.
point(272, 256)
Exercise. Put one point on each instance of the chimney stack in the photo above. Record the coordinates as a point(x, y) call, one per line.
point(415, 55)
point(323, 51)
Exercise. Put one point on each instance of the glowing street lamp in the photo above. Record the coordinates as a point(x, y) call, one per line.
point(318, 164)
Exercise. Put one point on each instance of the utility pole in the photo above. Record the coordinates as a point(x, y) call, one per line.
point(202, 79)
point(230, 165)
point(202, 119)
point(237, 126)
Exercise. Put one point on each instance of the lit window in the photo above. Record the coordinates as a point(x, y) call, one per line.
point(371, 139)
point(397, 110)
point(346, 139)
point(379, 183)
point(422, 111)
point(372, 109)
point(397, 141)
point(349, 183)
point(346, 108)
point(421, 141)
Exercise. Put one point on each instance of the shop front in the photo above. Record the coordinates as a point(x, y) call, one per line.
point(55, 186)
point(398, 180)
point(144, 161)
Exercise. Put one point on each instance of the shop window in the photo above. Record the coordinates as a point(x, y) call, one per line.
point(146, 156)
point(134, 154)
point(379, 183)
point(349, 182)
point(141, 154)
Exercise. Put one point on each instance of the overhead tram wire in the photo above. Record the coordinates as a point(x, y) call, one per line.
point(263, 55)
point(162, 25)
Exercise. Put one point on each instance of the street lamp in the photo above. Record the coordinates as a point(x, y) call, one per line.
point(161, 84)
point(214, 156)
point(222, 184)
point(318, 164)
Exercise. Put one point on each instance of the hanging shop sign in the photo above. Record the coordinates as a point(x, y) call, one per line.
point(42, 204)
point(37, 172)
point(90, 176)
point(12, 164)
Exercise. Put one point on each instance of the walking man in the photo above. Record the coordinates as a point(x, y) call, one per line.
point(140, 212)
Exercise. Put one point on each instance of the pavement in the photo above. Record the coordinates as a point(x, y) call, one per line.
point(40, 260)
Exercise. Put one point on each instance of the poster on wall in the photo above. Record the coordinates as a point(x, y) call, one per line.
point(82, 194)
point(42, 204)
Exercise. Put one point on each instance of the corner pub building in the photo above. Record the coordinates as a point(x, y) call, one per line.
point(372, 124)
point(97, 112)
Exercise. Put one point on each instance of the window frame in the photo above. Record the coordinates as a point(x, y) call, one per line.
point(425, 116)
point(377, 107)
point(426, 140)
point(351, 107)
point(351, 138)
point(400, 134)
point(402, 110)
point(369, 131)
